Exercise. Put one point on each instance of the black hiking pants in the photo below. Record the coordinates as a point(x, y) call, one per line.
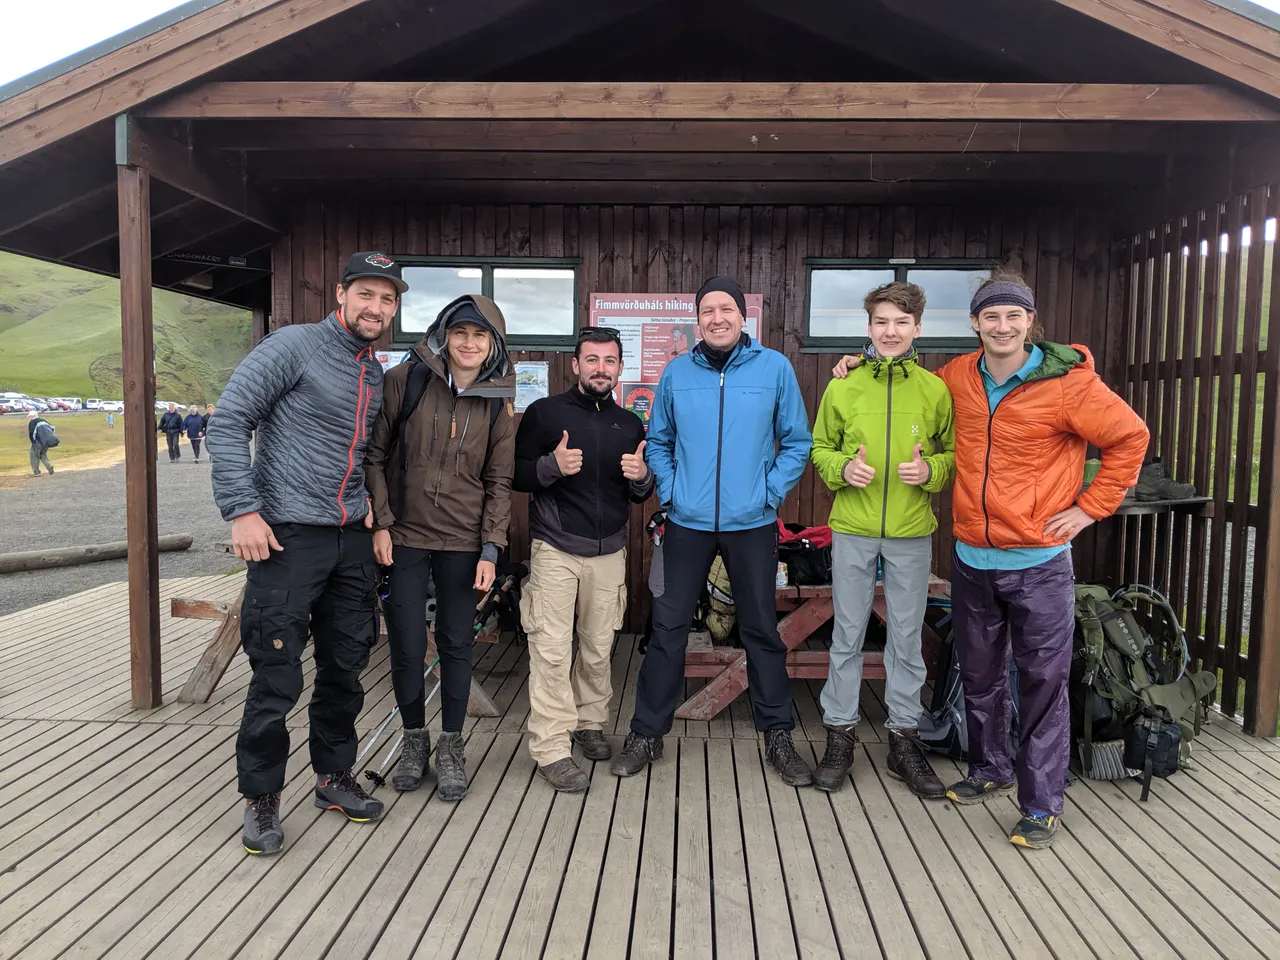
point(454, 573)
point(175, 445)
point(751, 560)
point(324, 583)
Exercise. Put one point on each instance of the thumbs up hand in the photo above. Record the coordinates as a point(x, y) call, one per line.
point(568, 459)
point(915, 471)
point(857, 472)
point(633, 465)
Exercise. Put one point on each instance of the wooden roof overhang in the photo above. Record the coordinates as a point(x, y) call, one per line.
point(238, 108)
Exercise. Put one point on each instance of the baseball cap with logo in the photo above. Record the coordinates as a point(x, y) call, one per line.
point(370, 263)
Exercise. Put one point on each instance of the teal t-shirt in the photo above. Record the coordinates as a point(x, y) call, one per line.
point(1015, 558)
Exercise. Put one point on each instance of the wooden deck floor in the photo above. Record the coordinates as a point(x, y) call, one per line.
point(118, 837)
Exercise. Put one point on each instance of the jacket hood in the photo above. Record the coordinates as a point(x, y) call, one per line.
point(497, 377)
point(1060, 359)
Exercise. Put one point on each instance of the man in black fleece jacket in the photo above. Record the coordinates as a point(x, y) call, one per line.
point(582, 458)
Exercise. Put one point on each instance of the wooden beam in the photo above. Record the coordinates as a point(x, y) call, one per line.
point(715, 101)
point(151, 66)
point(141, 145)
point(650, 167)
point(772, 192)
point(259, 325)
point(710, 136)
point(1201, 31)
point(137, 362)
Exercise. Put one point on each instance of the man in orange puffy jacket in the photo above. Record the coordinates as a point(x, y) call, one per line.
point(1026, 410)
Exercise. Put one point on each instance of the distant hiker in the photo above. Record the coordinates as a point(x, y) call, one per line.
point(193, 426)
point(111, 420)
point(171, 426)
point(311, 393)
point(204, 426)
point(41, 434)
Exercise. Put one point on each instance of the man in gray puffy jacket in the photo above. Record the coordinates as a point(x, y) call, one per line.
point(300, 517)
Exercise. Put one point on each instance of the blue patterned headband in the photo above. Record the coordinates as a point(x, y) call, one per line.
point(1002, 293)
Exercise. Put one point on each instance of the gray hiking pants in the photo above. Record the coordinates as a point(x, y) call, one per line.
point(39, 455)
point(906, 591)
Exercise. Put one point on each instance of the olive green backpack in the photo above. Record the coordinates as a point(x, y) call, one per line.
point(1118, 668)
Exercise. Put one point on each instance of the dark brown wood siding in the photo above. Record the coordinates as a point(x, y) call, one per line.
point(1065, 254)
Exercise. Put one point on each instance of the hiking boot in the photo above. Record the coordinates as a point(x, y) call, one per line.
point(341, 792)
point(907, 762)
point(564, 775)
point(594, 745)
point(1154, 483)
point(263, 832)
point(451, 773)
point(638, 752)
point(837, 759)
point(1034, 831)
point(413, 760)
point(972, 790)
point(780, 751)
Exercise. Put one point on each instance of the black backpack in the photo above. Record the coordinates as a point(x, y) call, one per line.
point(414, 388)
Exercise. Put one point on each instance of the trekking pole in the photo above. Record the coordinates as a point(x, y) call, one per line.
point(377, 734)
point(378, 777)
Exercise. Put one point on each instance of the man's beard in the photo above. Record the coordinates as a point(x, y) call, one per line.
point(353, 328)
point(591, 390)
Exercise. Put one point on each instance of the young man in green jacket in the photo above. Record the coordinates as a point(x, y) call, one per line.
point(884, 442)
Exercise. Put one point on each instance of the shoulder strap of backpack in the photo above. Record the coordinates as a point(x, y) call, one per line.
point(414, 387)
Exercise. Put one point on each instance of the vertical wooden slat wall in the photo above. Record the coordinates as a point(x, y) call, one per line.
point(1197, 310)
point(1065, 254)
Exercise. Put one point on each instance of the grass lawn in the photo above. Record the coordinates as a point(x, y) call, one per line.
point(87, 442)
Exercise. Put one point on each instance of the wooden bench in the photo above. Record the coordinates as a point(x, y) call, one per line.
point(221, 650)
point(807, 609)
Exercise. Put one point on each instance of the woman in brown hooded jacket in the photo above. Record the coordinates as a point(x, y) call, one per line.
point(440, 484)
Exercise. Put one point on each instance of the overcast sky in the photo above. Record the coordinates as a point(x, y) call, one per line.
point(38, 32)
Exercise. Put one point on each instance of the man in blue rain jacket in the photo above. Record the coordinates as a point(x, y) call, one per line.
point(728, 439)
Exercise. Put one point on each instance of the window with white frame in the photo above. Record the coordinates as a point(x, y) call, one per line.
point(837, 288)
point(537, 298)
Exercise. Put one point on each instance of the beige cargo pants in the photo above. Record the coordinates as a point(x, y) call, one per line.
point(561, 699)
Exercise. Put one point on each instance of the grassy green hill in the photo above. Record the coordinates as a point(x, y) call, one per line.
point(60, 336)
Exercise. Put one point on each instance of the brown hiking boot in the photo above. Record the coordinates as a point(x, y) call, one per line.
point(837, 759)
point(907, 762)
point(780, 752)
point(564, 775)
point(1154, 483)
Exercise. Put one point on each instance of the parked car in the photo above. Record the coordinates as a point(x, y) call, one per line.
point(112, 406)
point(72, 403)
point(93, 403)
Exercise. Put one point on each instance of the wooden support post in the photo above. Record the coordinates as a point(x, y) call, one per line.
point(137, 363)
point(259, 315)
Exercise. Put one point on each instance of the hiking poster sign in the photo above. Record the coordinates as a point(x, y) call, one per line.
point(654, 328)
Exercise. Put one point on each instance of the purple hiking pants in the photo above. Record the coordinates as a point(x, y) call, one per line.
point(1036, 609)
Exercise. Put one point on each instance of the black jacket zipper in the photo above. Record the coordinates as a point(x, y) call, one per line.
point(595, 431)
point(719, 448)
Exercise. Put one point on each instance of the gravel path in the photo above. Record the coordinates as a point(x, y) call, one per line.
point(88, 506)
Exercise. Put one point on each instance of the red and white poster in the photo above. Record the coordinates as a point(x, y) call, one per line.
point(655, 328)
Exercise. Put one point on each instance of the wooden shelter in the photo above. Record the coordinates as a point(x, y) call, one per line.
point(1123, 154)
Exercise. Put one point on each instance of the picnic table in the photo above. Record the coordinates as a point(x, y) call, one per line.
point(807, 609)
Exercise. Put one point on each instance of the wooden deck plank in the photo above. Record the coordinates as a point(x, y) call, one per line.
point(692, 927)
point(535, 912)
point(854, 874)
point(1093, 841)
point(652, 926)
point(59, 877)
point(62, 846)
point(184, 871)
point(776, 935)
point(619, 667)
point(810, 901)
point(730, 898)
point(417, 865)
point(448, 923)
point(1090, 931)
point(1202, 870)
point(615, 894)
